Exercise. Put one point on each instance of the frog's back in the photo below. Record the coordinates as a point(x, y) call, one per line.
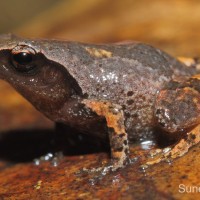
point(132, 66)
point(124, 69)
point(104, 64)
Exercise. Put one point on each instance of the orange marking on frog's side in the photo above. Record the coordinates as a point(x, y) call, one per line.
point(190, 62)
point(187, 61)
point(113, 117)
point(100, 53)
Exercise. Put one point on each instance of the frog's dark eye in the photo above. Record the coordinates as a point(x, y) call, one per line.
point(23, 58)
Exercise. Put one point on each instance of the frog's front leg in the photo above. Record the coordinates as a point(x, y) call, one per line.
point(177, 111)
point(114, 116)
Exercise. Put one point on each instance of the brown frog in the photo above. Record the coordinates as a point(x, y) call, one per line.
point(124, 91)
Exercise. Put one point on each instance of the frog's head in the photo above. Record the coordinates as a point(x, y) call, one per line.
point(45, 83)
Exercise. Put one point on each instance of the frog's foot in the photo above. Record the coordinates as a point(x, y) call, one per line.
point(182, 147)
point(103, 170)
point(114, 116)
point(99, 171)
point(155, 152)
point(96, 174)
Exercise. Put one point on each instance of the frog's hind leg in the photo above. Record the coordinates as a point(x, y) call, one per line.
point(114, 116)
point(177, 110)
point(190, 62)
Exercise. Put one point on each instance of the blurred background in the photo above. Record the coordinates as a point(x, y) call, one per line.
point(172, 25)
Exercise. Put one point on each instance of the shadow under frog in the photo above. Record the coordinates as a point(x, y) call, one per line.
point(21, 145)
point(120, 91)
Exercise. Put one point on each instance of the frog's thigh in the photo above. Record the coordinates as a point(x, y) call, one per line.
point(182, 147)
point(114, 116)
point(190, 62)
point(175, 110)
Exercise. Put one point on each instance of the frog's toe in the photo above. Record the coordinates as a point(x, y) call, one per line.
point(159, 155)
point(155, 152)
point(98, 171)
point(95, 175)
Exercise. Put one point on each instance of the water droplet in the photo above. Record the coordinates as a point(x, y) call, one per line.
point(147, 144)
point(167, 149)
point(169, 161)
point(36, 162)
point(143, 168)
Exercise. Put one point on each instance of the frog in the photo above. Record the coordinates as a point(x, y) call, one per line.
point(120, 91)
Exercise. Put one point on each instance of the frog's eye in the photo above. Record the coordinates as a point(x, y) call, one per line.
point(23, 58)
